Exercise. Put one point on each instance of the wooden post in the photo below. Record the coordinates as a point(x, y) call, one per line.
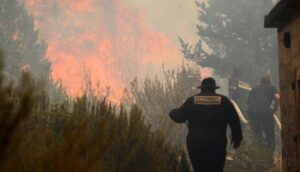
point(297, 104)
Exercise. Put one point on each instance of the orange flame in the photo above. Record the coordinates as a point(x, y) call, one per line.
point(108, 39)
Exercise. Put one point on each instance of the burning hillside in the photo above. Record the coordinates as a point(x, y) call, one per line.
point(108, 41)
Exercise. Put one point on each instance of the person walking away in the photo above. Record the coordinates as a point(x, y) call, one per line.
point(207, 115)
point(260, 112)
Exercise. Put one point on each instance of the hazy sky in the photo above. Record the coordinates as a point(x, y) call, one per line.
point(172, 17)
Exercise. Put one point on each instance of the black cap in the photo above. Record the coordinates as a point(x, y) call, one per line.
point(208, 83)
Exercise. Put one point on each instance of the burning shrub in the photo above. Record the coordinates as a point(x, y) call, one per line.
point(80, 135)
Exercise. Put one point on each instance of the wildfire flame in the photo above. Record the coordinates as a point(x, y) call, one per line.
point(107, 39)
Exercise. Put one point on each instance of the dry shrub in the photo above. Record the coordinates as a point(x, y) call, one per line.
point(157, 98)
point(252, 156)
point(15, 106)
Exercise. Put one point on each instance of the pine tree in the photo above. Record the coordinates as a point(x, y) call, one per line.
point(232, 35)
point(20, 41)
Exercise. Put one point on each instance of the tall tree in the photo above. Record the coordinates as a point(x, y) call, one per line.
point(232, 35)
point(20, 41)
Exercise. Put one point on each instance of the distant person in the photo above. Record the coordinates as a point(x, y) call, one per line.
point(207, 115)
point(238, 89)
point(260, 112)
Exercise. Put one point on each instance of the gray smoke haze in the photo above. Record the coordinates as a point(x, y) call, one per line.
point(173, 17)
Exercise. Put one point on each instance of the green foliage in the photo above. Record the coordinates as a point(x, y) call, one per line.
point(79, 135)
point(21, 41)
point(231, 34)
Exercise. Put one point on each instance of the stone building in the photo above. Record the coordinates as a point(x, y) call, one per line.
point(285, 16)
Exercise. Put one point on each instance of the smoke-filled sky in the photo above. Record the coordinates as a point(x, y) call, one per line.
point(111, 41)
point(173, 17)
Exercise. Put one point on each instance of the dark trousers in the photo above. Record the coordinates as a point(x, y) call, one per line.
point(206, 158)
point(263, 121)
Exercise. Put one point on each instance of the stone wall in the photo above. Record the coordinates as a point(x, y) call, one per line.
point(289, 63)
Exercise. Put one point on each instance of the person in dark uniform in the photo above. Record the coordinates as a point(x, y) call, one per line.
point(207, 115)
point(260, 112)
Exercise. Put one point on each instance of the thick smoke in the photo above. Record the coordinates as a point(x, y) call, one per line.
point(108, 41)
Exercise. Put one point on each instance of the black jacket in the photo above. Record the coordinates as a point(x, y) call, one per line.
point(207, 116)
point(261, 98)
